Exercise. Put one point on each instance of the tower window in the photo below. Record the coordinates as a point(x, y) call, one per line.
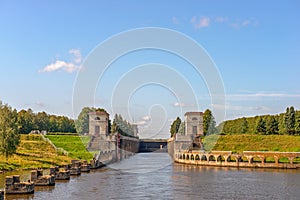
point(97, 129)
point(194, 129)
point(194, 118)
point(97, 118)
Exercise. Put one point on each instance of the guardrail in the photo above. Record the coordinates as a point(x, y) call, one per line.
point(58, 149)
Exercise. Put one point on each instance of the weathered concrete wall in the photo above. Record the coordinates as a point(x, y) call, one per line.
point(171, 147)
point(98, 123)
point(193, 119)
point(148, 145)
point(228, 159)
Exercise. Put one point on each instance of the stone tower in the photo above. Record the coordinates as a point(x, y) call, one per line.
point(135, 130)
point(98, 123)
point(193, 123)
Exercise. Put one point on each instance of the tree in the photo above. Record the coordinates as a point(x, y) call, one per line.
point(25, 121)
point(209, 123)
point(175, 126)
point(121, 126)
point(289, 120)
point(272, 126)
point(181, 129)
point(114, 127)
point(53, 124)
point(41, 121)
point(9, 136)
point(297, 124)
point(244, 126)
point(82, 123)
point(261, 126)
point(281, 124)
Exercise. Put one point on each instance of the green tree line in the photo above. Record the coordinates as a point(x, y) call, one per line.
point(12, 123)
point(287, 123)
point(27, 121)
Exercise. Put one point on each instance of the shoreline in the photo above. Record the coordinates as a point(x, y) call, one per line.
point(244, 160)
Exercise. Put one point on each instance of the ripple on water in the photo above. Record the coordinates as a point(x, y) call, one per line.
point(154, 176)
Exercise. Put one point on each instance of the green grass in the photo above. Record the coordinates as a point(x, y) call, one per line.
point(75, 145)
point(33, 153)
point(252, 142)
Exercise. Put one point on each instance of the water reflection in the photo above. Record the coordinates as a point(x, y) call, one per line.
point(20, 197)
point(151, 176)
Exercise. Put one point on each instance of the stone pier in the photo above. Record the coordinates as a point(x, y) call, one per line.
point(254, 159)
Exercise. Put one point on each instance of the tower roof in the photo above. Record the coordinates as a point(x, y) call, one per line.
point(99, 113)
point(193, 113)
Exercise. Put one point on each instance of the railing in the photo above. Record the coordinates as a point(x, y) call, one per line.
point(58, 149)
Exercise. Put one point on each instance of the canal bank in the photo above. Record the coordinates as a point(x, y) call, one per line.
point(155, 176)
point(183, 151)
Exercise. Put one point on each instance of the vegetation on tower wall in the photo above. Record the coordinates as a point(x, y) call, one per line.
point(122, 126)
point(82, 122)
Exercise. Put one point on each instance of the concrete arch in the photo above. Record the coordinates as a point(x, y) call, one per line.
point(220, 158)
point(256, 159)
point(197, 157)
point(270, 159)
point(192, 157)
point(283, 159)
point(204, 158)
point(187, 156)
point(231, 158)
point(244, 159)
point(211, 158)
point(183, 156)
point(296, 160)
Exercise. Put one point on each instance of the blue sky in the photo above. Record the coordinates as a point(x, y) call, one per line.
point(254, 44)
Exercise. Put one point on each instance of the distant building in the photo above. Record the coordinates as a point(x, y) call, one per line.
point(98, 123)
point(135, 130)
point(193, 130)
point(194, 123)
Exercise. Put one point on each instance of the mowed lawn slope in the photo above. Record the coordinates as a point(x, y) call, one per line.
point(33, 153)
point(75, 145)
point(252, 142)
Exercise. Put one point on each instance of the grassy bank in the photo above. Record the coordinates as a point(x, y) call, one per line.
point(252, 142)
point(73, 144)
point(33, 152)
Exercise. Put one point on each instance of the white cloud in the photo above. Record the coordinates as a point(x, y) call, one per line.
point(221, 19)
point(77, 55)
point(230, 107)
point(259, 96)
point(200, 23)
point(180, 104)
point(175, 20)
point(206, 21)
point(144, 121)
point(146, 118)
point(141, 123)
point(242, 23)
point(65, 66)
point(246, 22)
point(60, 65)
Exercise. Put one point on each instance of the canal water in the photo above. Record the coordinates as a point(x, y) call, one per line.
point(154, 176)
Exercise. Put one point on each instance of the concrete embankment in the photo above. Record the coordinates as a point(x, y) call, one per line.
point(250, 159)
